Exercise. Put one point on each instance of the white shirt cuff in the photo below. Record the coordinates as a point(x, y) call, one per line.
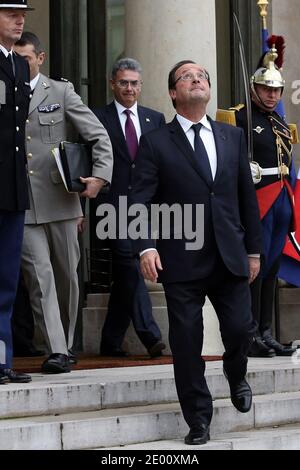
point(145, 251)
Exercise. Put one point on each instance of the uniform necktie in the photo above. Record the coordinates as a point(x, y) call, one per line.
point(130, 134)
point(11, 63)
point(200, 153)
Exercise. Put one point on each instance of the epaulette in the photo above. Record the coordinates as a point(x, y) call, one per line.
point(237, 108)
point(59, 79)
point(294, 133)
point(226, 116)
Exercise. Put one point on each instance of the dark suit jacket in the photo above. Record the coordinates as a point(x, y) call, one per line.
point(167, 172)
point(14, 103)
point(124, 167)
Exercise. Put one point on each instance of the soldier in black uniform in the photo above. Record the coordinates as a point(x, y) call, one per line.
point(272, 151)
point(14, 101)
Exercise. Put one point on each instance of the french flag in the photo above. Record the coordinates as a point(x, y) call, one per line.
point(290, 261)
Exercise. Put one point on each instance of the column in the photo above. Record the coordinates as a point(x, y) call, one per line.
point(161, 33)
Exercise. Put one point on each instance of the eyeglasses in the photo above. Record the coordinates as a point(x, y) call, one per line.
point(190, 77)
point(132, 83)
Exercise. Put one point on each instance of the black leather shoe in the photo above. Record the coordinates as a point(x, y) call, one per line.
point(3, 379)
point(56, 364)
point(156, 349)
point(280, 349)
point(16, 377)
point(117, 352)
point(197, 436)
point(241, 395)
point(72, 357)
point(260, 349)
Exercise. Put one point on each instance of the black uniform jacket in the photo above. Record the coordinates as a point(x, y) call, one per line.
point(264, 139)
point(14, 102)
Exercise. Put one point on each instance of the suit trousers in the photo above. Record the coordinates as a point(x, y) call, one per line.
point(230, 296)
point(129, 300)
point(11, 235)
point(275, 227)
point(50, 256)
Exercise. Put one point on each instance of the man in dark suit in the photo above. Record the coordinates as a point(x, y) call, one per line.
point(195, 161)
point(14, 102)
point(125, 121)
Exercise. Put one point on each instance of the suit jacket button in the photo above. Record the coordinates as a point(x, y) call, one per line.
point(130, 188)
point(212, 194)
point(29, 155)
point(133, 166)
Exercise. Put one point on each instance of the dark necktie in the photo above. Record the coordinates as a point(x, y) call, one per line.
point(201, 154)
point(11, 63)
point(130, 134)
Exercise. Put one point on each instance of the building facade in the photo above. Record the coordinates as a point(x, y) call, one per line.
point(84, 37)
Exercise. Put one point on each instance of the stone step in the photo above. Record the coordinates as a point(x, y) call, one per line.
point(125, 426)
point(289, 307)
point(92, 390)
point(93, 320)
point(274, 438)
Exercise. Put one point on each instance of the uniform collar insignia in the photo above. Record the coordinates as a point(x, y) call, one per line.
point(259, 130)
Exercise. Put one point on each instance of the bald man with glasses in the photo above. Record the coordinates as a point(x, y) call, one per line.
point(125, 122)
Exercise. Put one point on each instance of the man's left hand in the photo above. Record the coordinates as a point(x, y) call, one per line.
point(93, 187)
point(254, 268)
point(81, 224)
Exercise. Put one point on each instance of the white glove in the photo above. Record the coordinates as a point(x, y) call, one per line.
point(256, 172)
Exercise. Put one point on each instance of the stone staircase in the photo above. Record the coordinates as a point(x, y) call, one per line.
point(137, 408)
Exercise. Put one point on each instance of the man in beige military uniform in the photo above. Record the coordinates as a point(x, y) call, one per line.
point(50, 253)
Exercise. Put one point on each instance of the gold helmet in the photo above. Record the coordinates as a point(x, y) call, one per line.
point(268, 70)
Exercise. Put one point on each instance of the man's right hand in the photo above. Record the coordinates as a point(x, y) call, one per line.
point(150, 263)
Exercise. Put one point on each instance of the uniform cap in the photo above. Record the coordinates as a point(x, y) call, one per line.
point(16, 4)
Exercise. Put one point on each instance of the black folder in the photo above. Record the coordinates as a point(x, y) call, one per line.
point(76, 160)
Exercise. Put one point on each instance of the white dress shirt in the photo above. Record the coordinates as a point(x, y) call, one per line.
point(5, 51)
point(207, 136)
point(34, 82)
point(134, 117)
